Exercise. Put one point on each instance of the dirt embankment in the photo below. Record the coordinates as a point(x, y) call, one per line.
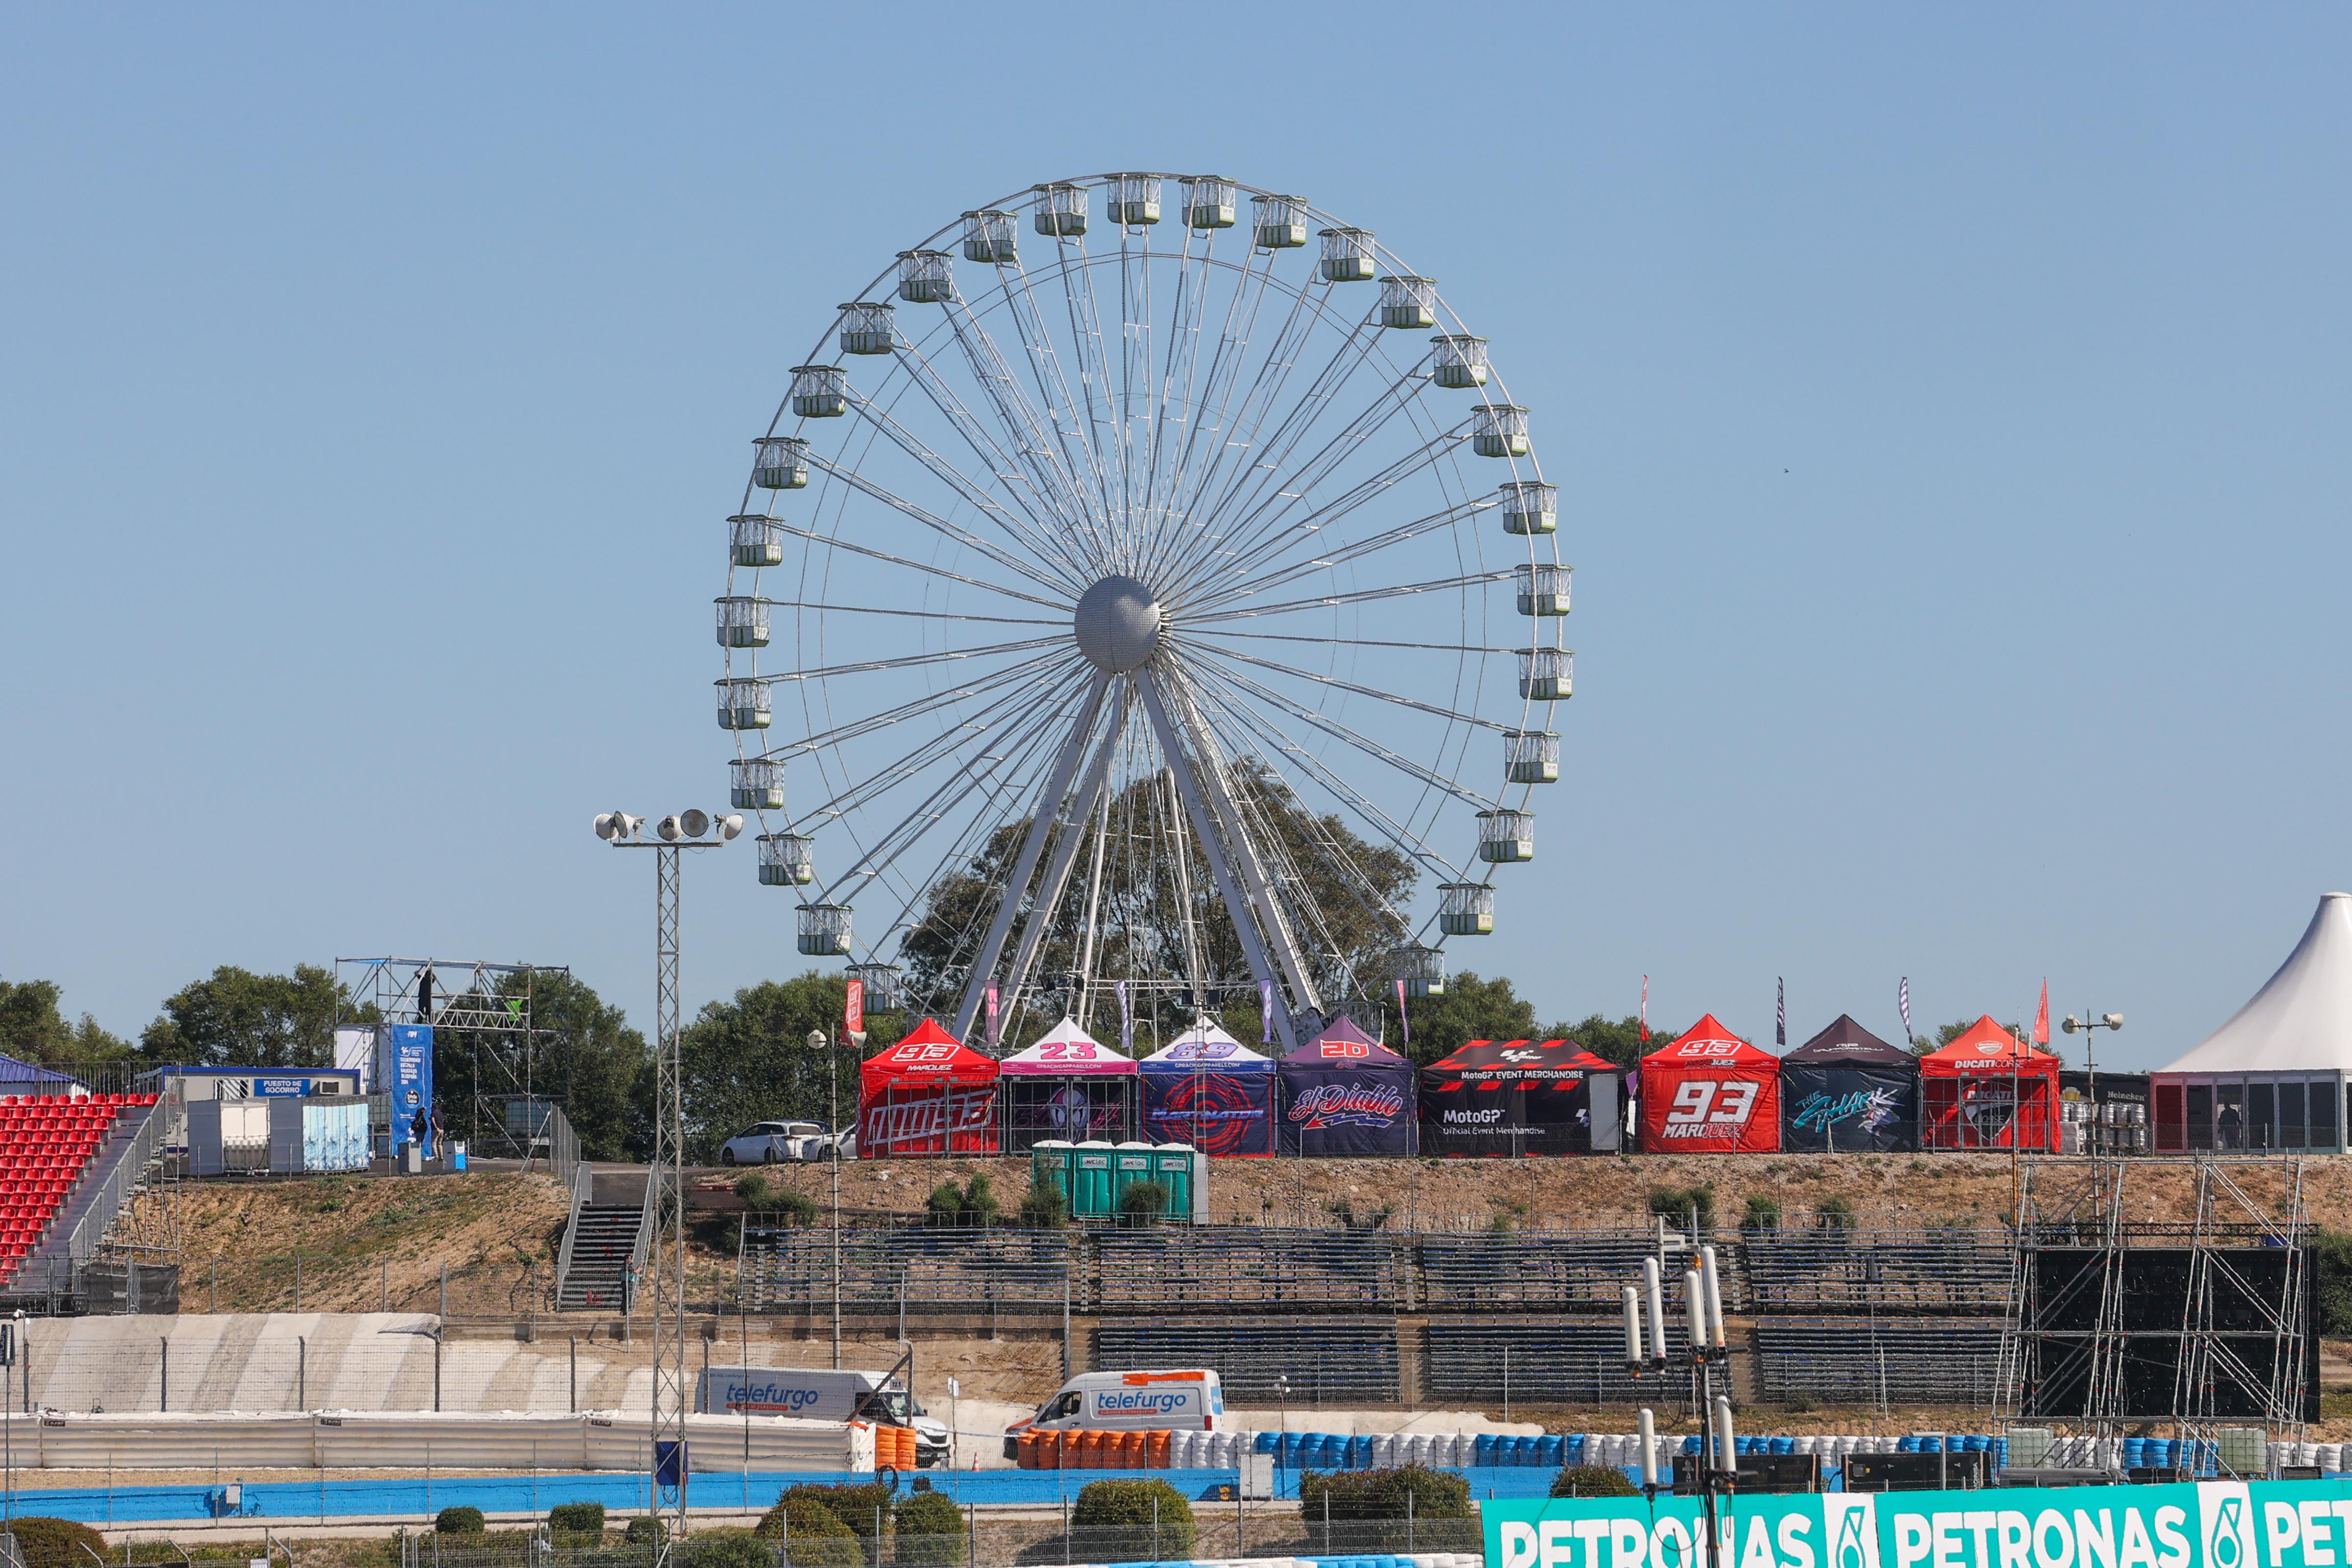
point(1906, 1191)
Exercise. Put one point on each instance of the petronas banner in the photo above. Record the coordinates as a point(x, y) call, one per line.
point(2205, 1524)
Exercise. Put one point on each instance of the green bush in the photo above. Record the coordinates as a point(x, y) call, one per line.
point(1593, 1481)
point(1144, 1202)
point(1763, 1214)
point(854, 1506)
point(577, 1519)
point(971, 1204)
point(927, 1532)
point(1676, 1205)
point(1047, 1207)
point(45, 1542)
point(647, 1531)
point(1133, 1522)
point(728, 1549)
point(1833, 1213)
point(2331, 1261)
point(1368, 1509)
point(813, 1534)
point(458, 1522)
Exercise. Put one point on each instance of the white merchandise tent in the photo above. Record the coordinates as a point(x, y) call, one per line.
point(2273, 1077)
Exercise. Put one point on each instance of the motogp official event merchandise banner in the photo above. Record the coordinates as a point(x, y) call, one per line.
point(2206, 1524)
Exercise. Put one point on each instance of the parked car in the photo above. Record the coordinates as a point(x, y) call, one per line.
point(767, 1142)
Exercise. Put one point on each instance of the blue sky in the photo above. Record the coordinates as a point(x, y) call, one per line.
point(1949, 405)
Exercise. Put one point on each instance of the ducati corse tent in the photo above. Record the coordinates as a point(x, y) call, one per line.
point(1499, 1098)
point(926, 1095)
point(1070, 1086)
point(1208, 1090)
point(1845, 1088)
point(1710, 1091)
point(1988, 1090)
point(1342, 1095)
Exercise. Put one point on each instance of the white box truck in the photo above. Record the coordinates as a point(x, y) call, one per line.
point(825, 1395)
point(1187, 1399)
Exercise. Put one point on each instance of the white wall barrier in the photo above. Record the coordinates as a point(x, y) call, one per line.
point(594, 1440)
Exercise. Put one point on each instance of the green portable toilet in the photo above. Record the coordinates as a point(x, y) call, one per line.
point(1132, 1163)
point(1171, 1166)
point(1049, 1166)
point(1091, 1179)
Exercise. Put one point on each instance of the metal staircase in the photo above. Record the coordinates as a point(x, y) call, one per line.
point(604, 1242)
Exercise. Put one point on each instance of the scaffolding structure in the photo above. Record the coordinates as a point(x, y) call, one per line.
point(513, 1062)
point(2117, 1324)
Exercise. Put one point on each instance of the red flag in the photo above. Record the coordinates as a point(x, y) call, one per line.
point(1404, 1022)
point(853, 1008)
point(2041, 1017)
point(1646, 1008)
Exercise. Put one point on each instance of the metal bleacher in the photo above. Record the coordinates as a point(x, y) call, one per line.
point(998, 1269)
point(1246, 1266)
point(1325, 1360)
point(1553, 1361)
point(1502, 1272)
point(1886, 1272)
point(1850, 1361)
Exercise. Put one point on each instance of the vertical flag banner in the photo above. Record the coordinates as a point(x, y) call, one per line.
point(1125, 1022)
point(853, 1008)
point(1645, 1007)
point(1403, 1023)
point(1781, 1016)
point(992, 1015)
point(1265, 1009)
point(1903, 1000)
point(2041, 1016)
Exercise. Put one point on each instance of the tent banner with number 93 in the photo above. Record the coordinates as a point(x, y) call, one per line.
point(1710, 1091)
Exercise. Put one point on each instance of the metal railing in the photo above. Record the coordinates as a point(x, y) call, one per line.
point(1838, 1271)
point(582, 1186)
point(106, 1200)
point(968, 1270)
point(1302, 1362)
point(1905, 1360)
point(1540, 1361)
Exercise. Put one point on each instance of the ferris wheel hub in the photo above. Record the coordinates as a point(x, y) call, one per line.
point(1118, 623)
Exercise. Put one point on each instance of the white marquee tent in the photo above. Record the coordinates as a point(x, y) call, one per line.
point(2273, 1077)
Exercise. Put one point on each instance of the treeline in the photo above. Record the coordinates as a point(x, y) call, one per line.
point(746, 1059)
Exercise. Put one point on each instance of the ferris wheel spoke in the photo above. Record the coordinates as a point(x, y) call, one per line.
point(1040, 448)
point(1263, 515)
point(1215, 414)
point(830, 542)
point(1301, 530)
point(1030, 530)
point(907, 661)
point(1344, 642)
point(1201, 620)
point(1015, 674)
point(1417, 771)
point(940, 525)
point(1076, 443)
point(1083, 310)
point(1382, 823)
point(879, 781)
point(917, 614)
point(1360, 691)
point(1027, 726)
point(1388, 539)
point(1173, 388)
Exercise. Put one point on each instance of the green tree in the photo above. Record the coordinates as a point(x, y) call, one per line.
point(238, 1018)
point(1620, 1042)
point(1342, 904)
point(748, 1059)
point(1131, 1521)
point(1471, 1009)
point(927, 1532)
point(2332, 1271)
point(580, 1052)
point(34, 1030)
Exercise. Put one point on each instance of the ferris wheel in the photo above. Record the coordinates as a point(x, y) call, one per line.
point(1182, 566)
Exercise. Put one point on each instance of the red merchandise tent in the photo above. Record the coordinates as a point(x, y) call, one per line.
point(1710, 1092)
point(1989, 1090)
point(926, 1095)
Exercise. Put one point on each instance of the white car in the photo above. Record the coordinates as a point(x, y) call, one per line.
point(767, 1142)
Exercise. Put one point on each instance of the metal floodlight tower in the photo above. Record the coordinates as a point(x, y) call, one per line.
point(666, 1174)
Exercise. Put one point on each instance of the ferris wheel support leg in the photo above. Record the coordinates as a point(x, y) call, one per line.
point(1041, 820)
point(1065, 854)
point(1206, 823)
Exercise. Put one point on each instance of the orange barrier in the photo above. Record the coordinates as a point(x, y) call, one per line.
point(1086, 1448)
point(1155, 1449)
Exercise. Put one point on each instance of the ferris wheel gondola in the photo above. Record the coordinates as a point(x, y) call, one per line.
point(1157, 574)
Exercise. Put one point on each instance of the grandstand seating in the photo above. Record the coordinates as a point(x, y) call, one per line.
point(46, 1141)
point(1547, 1360)
point(1849, 1360)
point(1328, 1361)
point(1843, 1271)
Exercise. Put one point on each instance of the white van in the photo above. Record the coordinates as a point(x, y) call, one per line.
point(1189, 1399)
point(825, 1395)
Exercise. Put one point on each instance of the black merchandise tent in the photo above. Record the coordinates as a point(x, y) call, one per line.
point(1845, 1088)
point(1497, 1098)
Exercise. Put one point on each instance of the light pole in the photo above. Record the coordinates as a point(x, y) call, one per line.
point(833, 1151)
point(2084, 1027)
point(683, 830)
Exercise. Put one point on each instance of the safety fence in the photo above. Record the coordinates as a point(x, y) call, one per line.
point(1268, 1269)
point(1891, 1362)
